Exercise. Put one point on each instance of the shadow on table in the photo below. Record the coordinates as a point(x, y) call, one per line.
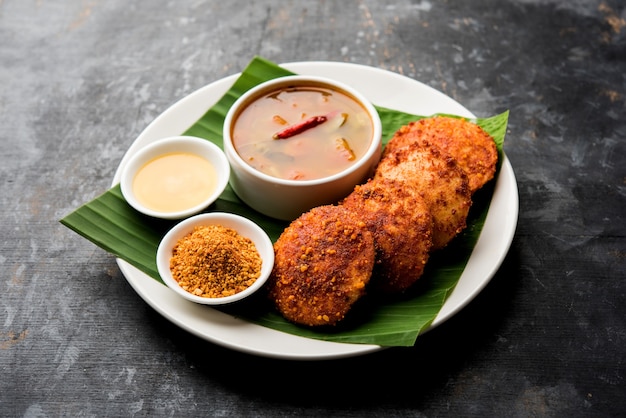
point(394, 377)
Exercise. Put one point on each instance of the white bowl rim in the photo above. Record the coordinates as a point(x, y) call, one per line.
point(243, 226)
point(222, 170)
point(374, 147)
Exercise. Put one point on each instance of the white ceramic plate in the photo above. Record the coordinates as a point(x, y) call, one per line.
point(385, 89)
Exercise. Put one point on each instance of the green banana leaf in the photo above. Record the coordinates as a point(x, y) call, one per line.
point(110, 223)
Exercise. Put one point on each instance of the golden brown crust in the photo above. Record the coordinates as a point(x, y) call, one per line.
point(401, 225)
point(428, 173)
point(384, 231)
point(323, 262)
point(473, 149)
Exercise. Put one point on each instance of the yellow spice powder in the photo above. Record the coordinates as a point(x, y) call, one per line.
point(214, 261)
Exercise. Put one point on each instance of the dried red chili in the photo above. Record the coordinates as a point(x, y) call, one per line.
point(299, 127)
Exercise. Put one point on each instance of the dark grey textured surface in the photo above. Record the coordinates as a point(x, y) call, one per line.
point(81, 79)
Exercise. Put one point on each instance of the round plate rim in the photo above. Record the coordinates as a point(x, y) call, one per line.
point(235, 334)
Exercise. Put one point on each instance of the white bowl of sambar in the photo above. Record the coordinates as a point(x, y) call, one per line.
point(297, 142)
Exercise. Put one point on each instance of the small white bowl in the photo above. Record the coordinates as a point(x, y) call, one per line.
point(287, 199)
point(243, 226)
point(187, 144)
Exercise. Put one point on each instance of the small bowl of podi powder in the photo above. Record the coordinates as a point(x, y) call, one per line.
point(215, 258)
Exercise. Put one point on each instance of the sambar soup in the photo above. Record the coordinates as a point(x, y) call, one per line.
point(302, 132)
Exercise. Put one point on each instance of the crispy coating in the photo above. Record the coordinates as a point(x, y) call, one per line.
point(428, 173)
point(323, 262)
point(417, 201)
point(402, 227)
point(473, 149)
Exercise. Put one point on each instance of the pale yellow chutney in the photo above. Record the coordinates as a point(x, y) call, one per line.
point(174, 182)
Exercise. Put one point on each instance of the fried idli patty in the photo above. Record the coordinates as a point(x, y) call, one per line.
point(426, 172)
point(323, 262)
point(402, 227)
point(473, 149)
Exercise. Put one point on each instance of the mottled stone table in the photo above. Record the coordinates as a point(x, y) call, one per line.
point(81, 79)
